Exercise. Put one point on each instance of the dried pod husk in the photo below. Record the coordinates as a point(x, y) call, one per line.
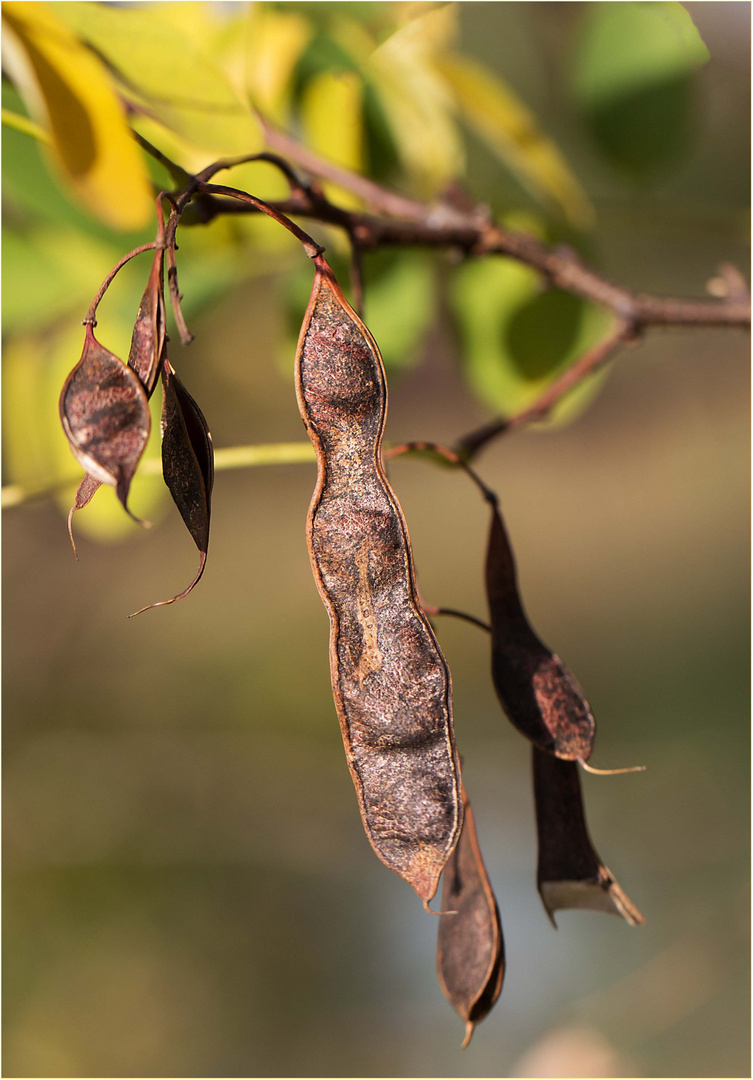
point(470, 948)
point(390, 681)
point(105, 416)
point(147, 345)
point(187, 466)
point(570, 873)
point(538, 693)
point(148, 338)
point(85, 492)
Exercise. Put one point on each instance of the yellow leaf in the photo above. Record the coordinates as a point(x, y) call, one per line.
point(416, 100)
point(175, 76)
point(65, 87)
point(510, 129)
point(275, 41)
point(326, 97)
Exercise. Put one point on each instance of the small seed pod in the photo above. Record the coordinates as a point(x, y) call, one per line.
point(148, 338)
point(570, 873)
point(470, 949)
point(105, 415)
point(187, 466)
point(538, 693)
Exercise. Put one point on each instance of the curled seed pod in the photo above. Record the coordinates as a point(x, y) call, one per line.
point(85, 492)
point(187, 466)
point(148, 338)
point(105, 416)
point(390, 681)
point(470, 949)
point(538, 693)
point(570, 873)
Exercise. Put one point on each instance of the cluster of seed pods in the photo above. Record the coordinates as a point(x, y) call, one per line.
point(391, 684)
point(392, 687)
point(104, 410)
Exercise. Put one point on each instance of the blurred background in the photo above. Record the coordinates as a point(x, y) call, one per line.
point(188, 890)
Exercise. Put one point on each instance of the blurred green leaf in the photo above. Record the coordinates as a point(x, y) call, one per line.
point(416, 101)
point(511, 130)
point(400, 307)
point(517, 339)
point(67, 90)
point(50, 272)
point(181, 82)
point(632, 79)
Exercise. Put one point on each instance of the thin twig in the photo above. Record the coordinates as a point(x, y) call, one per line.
point(459, 615)
point(225, 458)
point(457, 460)
point(91, 315)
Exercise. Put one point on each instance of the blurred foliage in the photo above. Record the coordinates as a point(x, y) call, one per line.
point(380, 88)
point(633, 79)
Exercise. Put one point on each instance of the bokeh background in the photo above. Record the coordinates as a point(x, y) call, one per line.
point(187, 887)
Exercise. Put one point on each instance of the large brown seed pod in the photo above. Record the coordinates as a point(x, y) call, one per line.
point(470, 948)
point(570, 873)
point(538, 693)
point(390, 681)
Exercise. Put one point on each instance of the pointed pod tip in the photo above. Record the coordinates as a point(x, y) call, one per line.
point(180, 595)
point(610, 772)
point(71, 512)
point(470, 1027)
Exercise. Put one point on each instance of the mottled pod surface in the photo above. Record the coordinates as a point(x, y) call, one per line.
point(390, 681)
point(470, 948)
point(539, 694)
point(105, 415)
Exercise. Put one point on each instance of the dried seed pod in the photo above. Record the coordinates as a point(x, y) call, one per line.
point(105, 416)
point(570, 873)
point(470, 949)
point(85, 492)
point(390, 681)
point(147, 345)
point(187, 466)
point(538, 693)
point(148, 338)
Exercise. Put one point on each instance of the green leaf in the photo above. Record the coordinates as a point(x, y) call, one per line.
point(399, 308)
point(185, 89)
point(66, 89)
point(632, 79)
point(517, 338)
point(49, 272)
point(512, 132)
point(415, 101)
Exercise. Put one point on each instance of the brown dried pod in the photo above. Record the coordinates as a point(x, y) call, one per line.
point(148, 338)
point(470, 948)
point(390, 681)
point(147, 345)
point(105, 416)
point(538, 693)
point(570, 873)
point(187, 466)
point(85, 492)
